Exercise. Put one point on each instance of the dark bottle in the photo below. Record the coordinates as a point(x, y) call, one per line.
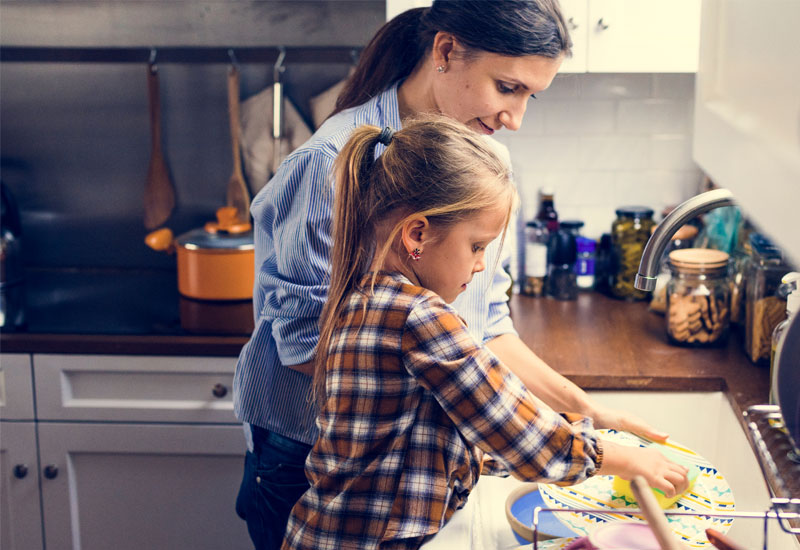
point(604, 264)
point(547, 210)
point(561, 278)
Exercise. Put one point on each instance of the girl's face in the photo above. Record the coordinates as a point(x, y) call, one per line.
point(454, 254)
point(490, 91)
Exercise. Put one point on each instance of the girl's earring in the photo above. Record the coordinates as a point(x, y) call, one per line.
point(415, 254)
point(440, 69)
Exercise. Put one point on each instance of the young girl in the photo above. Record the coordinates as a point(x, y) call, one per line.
point(410, 402)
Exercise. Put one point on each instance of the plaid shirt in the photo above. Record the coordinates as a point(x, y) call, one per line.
point(413, 404)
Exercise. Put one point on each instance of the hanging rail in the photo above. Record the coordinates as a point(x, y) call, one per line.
point(178, 54)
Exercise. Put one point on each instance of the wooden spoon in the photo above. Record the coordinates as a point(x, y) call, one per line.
point(237, 194)
point(654, 515)
point(159, 193)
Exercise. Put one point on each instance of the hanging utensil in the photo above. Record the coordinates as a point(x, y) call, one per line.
point(237, 194)
point(277, 106)
point(159, 193)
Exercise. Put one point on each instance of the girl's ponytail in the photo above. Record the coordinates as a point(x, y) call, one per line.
point(390, 56)
point(352, 244)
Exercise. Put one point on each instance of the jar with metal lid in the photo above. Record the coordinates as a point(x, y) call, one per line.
point(698, 297)
point(764, 308)
point(629, 234)
point(536, 237)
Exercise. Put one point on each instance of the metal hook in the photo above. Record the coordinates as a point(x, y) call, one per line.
point(152, 61)
point(279, 68)
point(234, 61)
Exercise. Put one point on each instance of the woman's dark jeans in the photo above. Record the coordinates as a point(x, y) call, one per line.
point(274, 479)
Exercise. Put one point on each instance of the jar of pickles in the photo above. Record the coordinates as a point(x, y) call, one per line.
point(629, 234)
point(698, 297)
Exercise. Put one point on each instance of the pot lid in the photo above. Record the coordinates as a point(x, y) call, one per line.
point(221, 240)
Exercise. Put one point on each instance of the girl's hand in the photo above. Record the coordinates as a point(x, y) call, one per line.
point(622, 421)
point(658, 470)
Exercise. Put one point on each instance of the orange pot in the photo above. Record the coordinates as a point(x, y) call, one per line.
point(215, 262)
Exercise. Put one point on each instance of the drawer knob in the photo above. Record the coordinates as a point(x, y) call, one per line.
point(219, 390)
point(51, 471)
point(20, 471)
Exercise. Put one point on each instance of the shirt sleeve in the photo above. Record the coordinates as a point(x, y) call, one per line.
point(499, 315)
point(490, 406)
point(296, 227)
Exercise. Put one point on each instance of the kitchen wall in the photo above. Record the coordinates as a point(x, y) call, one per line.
point(75, 136)
point(601, 141)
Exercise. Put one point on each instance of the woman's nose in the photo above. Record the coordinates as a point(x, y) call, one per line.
point(511, 117)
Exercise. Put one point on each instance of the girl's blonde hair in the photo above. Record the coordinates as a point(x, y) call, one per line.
point(434, 167)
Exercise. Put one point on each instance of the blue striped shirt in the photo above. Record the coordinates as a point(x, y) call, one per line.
point(292, 219)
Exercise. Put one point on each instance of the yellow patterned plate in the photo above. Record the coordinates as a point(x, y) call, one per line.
point(710, 494)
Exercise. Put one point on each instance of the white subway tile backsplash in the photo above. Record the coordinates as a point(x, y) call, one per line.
point(653, 116)
point(601, 141)
point(614, 152)
point(615, 86)
point(594, 117)
point(673, 86)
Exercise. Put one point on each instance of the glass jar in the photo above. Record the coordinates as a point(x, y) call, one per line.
point(698, 297)
point(584, 266)
point(629, 234)
point(764, 309)
point(536, 236)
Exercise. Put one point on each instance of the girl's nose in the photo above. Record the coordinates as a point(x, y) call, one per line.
point(480, 265)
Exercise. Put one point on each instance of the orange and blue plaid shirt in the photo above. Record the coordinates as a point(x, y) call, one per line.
point(413, 404)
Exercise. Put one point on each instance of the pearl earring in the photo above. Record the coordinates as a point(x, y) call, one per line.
point(440, 69)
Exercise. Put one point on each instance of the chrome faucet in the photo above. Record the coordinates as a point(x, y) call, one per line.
point(653, 250)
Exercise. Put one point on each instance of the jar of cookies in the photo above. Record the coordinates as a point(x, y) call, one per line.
point(698, 297)
point(764, 307)
point(629, 234)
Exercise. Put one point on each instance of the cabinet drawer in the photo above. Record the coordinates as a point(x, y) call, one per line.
point(134, 388)
point(16, 387)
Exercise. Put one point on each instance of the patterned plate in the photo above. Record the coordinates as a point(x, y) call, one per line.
point(710, 494)
point(552, 544)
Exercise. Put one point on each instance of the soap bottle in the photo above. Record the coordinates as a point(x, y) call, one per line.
point(790, 285)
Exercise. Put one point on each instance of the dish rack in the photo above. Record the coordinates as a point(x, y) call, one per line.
point(780, 465)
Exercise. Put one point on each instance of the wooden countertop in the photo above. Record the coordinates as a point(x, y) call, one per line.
point(602, 343)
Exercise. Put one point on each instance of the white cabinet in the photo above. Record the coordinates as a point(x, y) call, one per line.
point(633, 36)
point(134, 486)
point(133, 452)
point(621, 36)
point(20, 514)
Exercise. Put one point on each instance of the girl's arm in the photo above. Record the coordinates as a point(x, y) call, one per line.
point(628, 462)
point(561, 394)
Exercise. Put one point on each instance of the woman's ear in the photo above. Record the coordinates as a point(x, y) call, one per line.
point(414, 232)
point(443, 44)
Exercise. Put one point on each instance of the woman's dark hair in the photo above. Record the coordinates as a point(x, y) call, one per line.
point(511, 27)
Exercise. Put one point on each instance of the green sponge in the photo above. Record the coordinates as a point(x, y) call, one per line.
point(622, 488)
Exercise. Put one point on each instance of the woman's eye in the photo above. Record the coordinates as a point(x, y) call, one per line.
point(504, 89)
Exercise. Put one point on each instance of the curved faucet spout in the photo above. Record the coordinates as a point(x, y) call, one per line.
point(654, 249)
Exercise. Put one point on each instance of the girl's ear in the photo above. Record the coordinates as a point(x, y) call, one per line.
point(414, 233)
point(443, 44)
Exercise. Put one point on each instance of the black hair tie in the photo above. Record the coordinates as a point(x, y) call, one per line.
point(385, 136)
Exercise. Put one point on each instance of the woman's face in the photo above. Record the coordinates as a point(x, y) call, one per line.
point(489, 91)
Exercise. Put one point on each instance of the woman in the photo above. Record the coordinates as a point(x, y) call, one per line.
point(475, 61)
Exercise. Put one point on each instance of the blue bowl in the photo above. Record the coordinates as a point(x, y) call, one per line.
point(521, 504)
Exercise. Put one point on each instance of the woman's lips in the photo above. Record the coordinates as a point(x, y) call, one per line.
point(486, 129)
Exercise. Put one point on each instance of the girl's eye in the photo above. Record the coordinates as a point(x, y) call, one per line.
point(476, 248)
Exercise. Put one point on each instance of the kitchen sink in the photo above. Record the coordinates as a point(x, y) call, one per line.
point(702, 421)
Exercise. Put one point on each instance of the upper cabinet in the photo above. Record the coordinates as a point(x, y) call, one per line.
point(622, 36)
point(747, 110)
point(633, 36)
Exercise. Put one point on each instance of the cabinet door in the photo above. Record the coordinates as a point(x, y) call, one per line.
point(135, 486)
point(651, 36)
point(16, 387)
point(134, 388)
point(576, 14)
point(20, 514)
